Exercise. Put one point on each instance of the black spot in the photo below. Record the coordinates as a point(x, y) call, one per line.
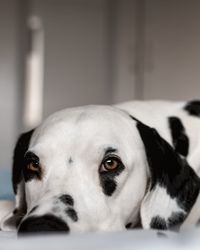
point(107, 178)
point(70, 161)
point(175, 220)
point(67, 199)
point(158, 223)
point(108, 184)
point(18, 159)
point(169, 170)
point(43, 224)
point(72, 214)
point(193, 108)
point(179, 137)
point(31, 157)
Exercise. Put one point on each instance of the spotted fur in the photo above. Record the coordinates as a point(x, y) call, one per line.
point(156, 185)
point(179, 136)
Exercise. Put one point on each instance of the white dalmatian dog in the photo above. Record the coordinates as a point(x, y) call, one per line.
point(109, 168)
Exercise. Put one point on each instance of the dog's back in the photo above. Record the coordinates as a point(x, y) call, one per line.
point(177, 122)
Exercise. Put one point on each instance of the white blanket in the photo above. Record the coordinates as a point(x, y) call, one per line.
point(133, 239)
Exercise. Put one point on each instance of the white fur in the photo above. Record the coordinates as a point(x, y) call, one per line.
point(83, 134)
point(158, 203)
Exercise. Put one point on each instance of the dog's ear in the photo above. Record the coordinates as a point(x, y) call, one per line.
point(173, 185)
point(11, 221)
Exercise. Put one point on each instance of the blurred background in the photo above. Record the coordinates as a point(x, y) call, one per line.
point(62, 53)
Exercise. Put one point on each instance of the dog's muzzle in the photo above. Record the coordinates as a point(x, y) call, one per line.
point(49, 216)
point(59, 214)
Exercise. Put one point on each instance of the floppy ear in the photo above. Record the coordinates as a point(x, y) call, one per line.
point(12, 220)
point(173, 186)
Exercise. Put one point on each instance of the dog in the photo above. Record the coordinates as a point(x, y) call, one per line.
point(109, 168)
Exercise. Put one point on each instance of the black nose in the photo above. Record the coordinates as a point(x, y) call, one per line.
point(43, 225)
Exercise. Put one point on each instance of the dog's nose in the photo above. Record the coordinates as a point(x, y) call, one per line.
point(43, 224)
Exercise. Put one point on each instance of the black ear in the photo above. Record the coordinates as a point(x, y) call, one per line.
point(173, 187)
point(12, 220)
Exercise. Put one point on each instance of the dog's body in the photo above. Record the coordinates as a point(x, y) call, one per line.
point(176, 122)
point(102, 168)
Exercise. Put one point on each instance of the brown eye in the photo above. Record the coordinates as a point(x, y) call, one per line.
point(110, 164)
point(33, 167)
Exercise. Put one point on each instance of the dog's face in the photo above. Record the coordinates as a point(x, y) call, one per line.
point(81, 165)
point(96, 168)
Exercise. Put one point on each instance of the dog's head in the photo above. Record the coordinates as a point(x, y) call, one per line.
point(97, 168)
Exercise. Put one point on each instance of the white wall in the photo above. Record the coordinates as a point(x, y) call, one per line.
point(77, 65)
point(9, 87)
point(124, 50)
point(89, 51)
point(172, 34)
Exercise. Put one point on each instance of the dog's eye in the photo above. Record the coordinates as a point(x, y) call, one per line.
point(110, 164)
point(32, 170)
point(33, 166)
